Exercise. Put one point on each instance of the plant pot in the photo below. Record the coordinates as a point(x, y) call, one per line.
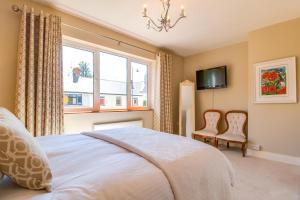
point(75, 78)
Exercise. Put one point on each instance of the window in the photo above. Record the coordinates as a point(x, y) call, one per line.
point(113, 81)
point(139, 85)
point(78, 77)
point(121, 82)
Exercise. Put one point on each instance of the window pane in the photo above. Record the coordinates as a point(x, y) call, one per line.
point(113, 81)
point(139, 86)
point(78, 77)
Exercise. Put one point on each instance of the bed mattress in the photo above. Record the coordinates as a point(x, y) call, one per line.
point(129, 164)
point(91, 169)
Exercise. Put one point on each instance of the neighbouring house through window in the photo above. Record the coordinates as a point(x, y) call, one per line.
point(73, 99)
point(118, 101)
point(135, 101)
point(139, 87)
point(102, 100)
point(113, 81)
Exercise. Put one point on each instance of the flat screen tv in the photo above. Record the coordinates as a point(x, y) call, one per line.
point(211, 78)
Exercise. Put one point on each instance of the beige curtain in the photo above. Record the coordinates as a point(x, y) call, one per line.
point(166, 114)
point(39, 89)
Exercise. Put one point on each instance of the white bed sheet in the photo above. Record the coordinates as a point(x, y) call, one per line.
point(195, 170)
point(85, 168)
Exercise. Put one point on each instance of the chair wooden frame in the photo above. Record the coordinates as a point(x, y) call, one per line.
point(243, 148)
point(195, 136)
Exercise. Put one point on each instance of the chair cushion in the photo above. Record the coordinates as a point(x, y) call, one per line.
point(232, 137)
point(205, 133)
point(21, 157)
point(236, 123)
point(211, 119)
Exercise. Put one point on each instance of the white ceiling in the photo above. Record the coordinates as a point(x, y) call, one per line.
point(209, 23)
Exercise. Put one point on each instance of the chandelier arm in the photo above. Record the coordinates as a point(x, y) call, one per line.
point(171, 26)
point(155, 27)
point(166, 29)
point(158, 29)
point(152, 22)
point(163, 4)
point(167, 11)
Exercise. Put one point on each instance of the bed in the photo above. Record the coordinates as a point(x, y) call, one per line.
point(129, 163)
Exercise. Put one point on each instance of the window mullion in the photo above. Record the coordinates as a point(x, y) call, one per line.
point(149, 85)
point(96, 81)
point(129, 83)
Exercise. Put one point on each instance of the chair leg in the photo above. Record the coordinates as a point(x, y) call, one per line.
point(217, 143)
point(243, 149)
point(212, 141)
point(227, 145)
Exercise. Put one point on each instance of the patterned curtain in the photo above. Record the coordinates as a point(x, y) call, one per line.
point(39, 89)
point(166, 114)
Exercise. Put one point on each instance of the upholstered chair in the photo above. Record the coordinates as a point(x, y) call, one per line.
point(236, 129)
point(211, 126)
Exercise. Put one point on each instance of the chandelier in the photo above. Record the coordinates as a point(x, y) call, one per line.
point(164, 22)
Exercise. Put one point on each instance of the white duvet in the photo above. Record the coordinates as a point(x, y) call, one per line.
point(152, 165)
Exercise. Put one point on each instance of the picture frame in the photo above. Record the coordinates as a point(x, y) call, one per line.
point(275, 81)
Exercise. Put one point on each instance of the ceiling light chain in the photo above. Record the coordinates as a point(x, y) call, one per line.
point(164, 20)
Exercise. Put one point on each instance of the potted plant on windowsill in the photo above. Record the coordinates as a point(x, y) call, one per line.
point(76, 74)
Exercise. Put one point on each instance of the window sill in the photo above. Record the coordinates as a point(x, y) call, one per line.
point(104, 111)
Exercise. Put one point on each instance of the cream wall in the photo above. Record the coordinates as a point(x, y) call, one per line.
point(235, 96)
point(275, 126)
point(8, 53)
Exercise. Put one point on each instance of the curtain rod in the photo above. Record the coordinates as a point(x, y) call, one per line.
point(16, 8)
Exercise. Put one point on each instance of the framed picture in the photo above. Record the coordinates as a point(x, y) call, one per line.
point(276, 81)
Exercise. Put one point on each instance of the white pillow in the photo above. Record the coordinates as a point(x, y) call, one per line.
point(21, 157)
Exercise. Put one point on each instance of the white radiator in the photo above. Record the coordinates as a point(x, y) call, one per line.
point(122, 124)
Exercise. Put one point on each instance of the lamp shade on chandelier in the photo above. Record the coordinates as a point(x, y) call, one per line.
point(164, 22)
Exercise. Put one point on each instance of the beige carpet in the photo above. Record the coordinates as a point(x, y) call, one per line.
point(260, 179)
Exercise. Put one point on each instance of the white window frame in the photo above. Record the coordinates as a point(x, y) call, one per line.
point(148, 64)
point(96, 49)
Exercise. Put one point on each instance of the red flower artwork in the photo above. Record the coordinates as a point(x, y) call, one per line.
point(282, 91)
point(273, 81)
point(272, 76)
point(272, 89)
point(265, 75)
point(264, 89)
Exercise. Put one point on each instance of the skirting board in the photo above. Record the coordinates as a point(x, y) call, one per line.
point(274, 156)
